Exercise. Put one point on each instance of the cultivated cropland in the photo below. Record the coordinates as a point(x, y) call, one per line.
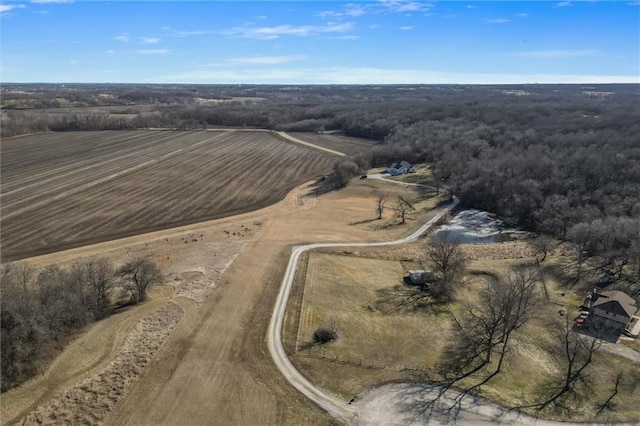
point(62, 190)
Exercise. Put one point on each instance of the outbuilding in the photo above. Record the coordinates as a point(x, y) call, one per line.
point(420, 276)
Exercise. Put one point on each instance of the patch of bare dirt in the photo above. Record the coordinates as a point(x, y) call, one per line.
point(89, 401)
point(196, 276)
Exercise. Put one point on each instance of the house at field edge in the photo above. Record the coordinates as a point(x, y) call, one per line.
point(401, 168)
point(614, 310)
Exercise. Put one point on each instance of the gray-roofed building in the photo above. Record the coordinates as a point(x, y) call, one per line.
point(612, 309)
point(401, 168)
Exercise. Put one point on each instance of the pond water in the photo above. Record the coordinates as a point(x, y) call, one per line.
point(474, 227)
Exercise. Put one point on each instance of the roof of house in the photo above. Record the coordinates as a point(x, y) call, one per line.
point(615, 301)
point(405, 164)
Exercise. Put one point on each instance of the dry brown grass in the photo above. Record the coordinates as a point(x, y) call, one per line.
point(89, 401)
point(376, 343)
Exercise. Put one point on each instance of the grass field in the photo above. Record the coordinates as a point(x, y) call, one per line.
point(383, 339)
point(61, 190)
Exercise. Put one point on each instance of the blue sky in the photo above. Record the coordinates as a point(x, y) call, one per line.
point(299, 42)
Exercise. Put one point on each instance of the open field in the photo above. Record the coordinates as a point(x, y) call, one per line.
point(68, 189)
point(385, 337)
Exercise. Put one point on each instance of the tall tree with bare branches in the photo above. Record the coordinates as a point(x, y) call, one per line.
point(138, 274)
point(447, 258)
point(485, 332)
point(403, 208)
point(381, 199)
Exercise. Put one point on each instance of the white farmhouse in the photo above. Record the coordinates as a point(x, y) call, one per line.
point(401, 168)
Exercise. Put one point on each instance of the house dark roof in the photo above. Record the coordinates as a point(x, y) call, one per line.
point(617, 302)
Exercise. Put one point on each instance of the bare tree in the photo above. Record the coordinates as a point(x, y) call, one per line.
point(381, 198)
point(505, 305)
point(98, 276)
point(576, 351)
point(138, 274)
point(542, 246)
point(447, 258)
point(581, 237)
point(22, 276)
point(608, 404)
point(344, 169)
point(403, 208)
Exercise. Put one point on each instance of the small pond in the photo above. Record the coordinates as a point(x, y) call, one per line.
point(475, 227)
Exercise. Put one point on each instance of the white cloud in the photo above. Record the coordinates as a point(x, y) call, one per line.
point(122, 37)
point(111, 52)
point(522, 15)
point(151, 51)
point(387, 6)
point(562, 4)
point(634, 3)
point(329, 14)
point(73, 61)
point(498, 21)
point(405, 6)
point(354, 10)
point(149, 40)
point(270, 33)
point(555, 54)
point(9, 7)
point(184, 33)
point(345, 37)
point(52, 1)
point(407, 28)
point(348, 75)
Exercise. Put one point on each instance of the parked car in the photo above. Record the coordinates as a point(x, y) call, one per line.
point(607, 278)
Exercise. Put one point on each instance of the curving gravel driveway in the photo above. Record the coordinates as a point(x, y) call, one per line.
point(334, 406)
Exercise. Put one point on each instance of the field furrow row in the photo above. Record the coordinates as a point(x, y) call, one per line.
point(132, 182)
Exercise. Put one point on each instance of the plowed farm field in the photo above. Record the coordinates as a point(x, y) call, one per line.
point(63, 190)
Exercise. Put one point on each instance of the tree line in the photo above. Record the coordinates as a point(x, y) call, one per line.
point(40, 309)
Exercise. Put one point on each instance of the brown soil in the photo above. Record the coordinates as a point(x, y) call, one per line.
point(89, 187)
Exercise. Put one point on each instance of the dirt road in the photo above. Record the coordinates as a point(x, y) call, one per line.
point(403, 404)
point(334, 406)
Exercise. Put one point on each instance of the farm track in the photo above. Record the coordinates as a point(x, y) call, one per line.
point(64, 190)
point(345, 144)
